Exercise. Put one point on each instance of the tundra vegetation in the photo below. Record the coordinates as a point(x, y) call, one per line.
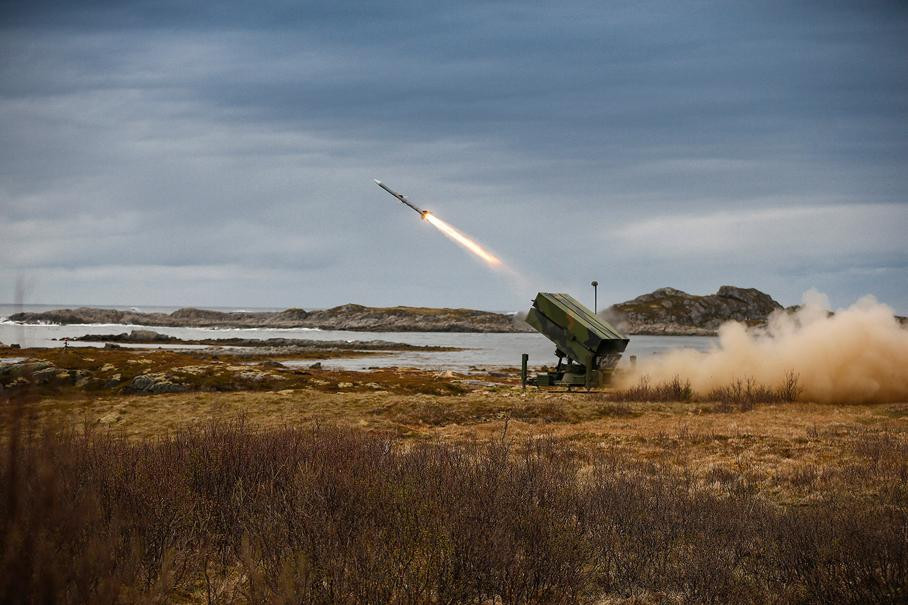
point(387, 487)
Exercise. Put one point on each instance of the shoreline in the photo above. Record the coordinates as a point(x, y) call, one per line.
point(350, 317)
point(677, 331)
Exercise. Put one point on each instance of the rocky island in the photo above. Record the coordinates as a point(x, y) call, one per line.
point(668, 311)
point(663, 312)
point(284, 346)
point(345, 317)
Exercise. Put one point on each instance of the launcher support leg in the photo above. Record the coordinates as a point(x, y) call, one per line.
point(524, 358)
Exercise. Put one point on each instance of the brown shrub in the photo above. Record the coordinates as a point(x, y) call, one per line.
point(742, 393)
point(673, 390)
point(746, 392)
point(227, 514)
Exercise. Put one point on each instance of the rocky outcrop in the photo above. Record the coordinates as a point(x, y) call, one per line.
point(344, 317)
point(411, 319)
point(36, 372)
point(187, 317)
point(135, 336)
point(285, 345)
point(668, 311)
point(24, 369)
point(663, 311)
point(154, 383)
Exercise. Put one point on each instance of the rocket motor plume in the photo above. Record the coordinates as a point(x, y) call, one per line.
point(447, 230)
point(857, 355)
point(458, 237)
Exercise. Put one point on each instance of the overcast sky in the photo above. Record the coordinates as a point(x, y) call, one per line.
point(159, 153)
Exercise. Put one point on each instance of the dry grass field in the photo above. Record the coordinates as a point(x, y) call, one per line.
point(250, 482)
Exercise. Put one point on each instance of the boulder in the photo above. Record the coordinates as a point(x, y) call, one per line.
point(27, 369)
point(154, 383)
point(253, 376)
point(45, 376)
point(148, 336)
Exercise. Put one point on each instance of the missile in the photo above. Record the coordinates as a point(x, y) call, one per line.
point(401, 198)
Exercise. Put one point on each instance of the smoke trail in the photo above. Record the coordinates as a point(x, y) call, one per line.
point(859, 354)
point(459, 238)
point(515, 280)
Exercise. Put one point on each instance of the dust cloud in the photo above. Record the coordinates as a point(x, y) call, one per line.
point(856, 355)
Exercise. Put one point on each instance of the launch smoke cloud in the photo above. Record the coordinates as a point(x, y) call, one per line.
point(855, 355)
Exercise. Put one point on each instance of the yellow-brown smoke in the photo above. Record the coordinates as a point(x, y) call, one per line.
point(458, 237)
point(859, 354)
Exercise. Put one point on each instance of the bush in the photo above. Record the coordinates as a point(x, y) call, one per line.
point(226, 514)
point(743, 392)
point(673, 390)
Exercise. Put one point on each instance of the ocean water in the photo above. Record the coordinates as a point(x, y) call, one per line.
point(479, 350)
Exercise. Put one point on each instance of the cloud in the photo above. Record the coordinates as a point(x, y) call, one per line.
point(778, 234)
point(571, 139)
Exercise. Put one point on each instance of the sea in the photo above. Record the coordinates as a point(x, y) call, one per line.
point(478, 351)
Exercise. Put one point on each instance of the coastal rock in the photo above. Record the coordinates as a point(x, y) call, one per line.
point(134, 337)
point(668, 311)
point(154, 383)
point(25, 369)
point(344, 317)
point(46, 375)
point(290, 315)
point(194, 314)
point(413, 319)
point(257, 377)
point(37, 372)
point(148, 336)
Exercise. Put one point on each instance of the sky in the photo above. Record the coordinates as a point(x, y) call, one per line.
point(222, 154)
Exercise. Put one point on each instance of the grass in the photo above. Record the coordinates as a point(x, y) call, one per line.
point(414, 487)
point(111, 371)
point(768, 443)
point(673, 390)
point(330, 515)
point(742, 393)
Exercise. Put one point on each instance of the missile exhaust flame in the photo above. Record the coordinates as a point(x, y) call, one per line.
point(447, 230)
point(458, 237)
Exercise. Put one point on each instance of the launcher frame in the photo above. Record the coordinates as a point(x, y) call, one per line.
point(588, 348)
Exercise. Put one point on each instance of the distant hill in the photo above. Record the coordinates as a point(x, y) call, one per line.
point(344, 317)
point(668, 311)
point(665, 311)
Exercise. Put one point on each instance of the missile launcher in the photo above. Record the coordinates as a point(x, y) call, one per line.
point(588, 348)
